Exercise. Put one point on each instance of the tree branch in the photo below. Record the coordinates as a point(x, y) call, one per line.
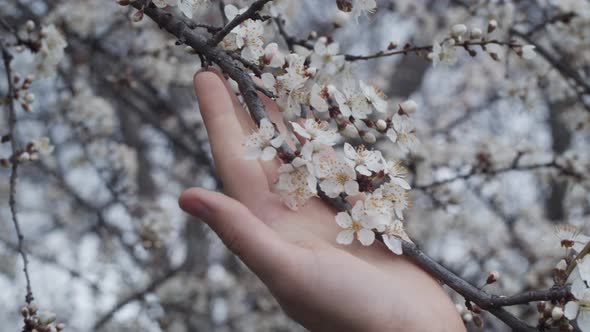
point(492, 304)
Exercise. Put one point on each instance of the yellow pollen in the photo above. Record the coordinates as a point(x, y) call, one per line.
point(341, 178)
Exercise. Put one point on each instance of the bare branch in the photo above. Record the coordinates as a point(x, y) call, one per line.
point(157, 282)
point(7, 58)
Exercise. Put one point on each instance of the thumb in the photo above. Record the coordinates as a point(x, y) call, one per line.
point(243, 233)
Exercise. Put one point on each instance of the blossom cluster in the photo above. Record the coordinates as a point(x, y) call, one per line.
point(41, 321)
point(51, 52)
point(318, 85)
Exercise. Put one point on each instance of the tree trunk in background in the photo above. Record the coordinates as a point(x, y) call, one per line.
point(554, 204)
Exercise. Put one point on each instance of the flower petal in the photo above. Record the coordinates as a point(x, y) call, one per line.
point(343, 219)
point(345, 237)
point(269, 153)
point(366, 237)
point(571, 310)
point(393, 243)
point(351, 187)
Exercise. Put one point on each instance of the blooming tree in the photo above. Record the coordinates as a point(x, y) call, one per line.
point(476, 168)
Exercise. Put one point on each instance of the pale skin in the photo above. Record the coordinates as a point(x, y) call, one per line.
point(322, 285)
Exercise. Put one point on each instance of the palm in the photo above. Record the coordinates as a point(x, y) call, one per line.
point(323, 285)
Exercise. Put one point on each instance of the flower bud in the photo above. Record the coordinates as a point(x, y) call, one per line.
point(381, 124)
point(458, 30)
point(60, 326)
point(350, 131)
point(46, 317)
point(493, 277)
point(467, 317)
point(475, 33)
point(24, 311)
point(30, 26)
point(138, 16)
point(369, 138)
point(409, 106)
point(557, 313)
point(492, 25)
point(30, 98)
point(344, 5)
point(25, 156)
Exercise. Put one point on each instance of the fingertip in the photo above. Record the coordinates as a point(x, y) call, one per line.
point(204, 77)
point(192, 201)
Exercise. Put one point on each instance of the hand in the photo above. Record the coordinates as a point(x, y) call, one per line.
point(319, 283)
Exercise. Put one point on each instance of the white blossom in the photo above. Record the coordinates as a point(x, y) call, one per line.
point(351, 100)
point(444, 52)
point(579, 309)
point(317, 98)
point(51, 51)
point(403, 133)
point(290, 86)
point(374, 96)
point(273, 57)
point(356, 222)
point(361, 7)
point(317, 131)
point(326, 56)
point(571, 237)
point(262, 143)
point(398, 196)
point(297, 182)
point(363, 160)
point(336, 175)
point(393, 235)
point(247, 36)
point(396, 173)
point(43, 145)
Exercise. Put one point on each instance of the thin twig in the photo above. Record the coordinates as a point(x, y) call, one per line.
point(514, 167)
point(419, 49)
point(251, 12)
point(7, 58)
point(565, 71)
point(154, 285)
